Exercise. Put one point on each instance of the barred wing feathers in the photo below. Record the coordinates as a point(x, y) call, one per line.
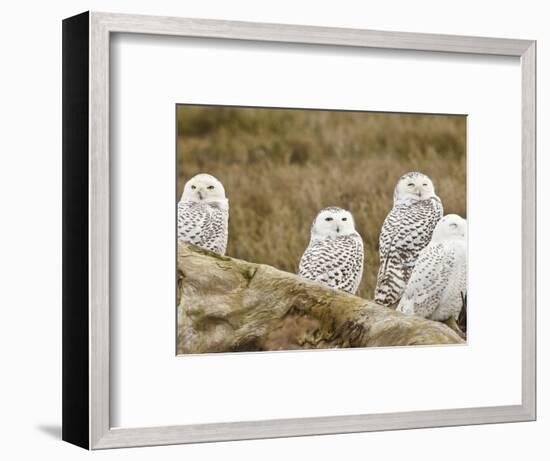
point(406, 231)
point(335, 262)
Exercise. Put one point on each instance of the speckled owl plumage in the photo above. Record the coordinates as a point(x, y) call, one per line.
point(437, 287)
point(406, 231)
point(334, 260)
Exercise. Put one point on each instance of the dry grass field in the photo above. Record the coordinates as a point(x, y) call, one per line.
point(279, 167)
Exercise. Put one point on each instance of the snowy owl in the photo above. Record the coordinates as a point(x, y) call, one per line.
point(407, 229)
point(203, 213)
point(437, 287)
point(334, 256)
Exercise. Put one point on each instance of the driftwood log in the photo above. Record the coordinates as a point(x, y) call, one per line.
point(226, 305)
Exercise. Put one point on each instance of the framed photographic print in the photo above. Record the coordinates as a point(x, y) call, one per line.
point(268, 229)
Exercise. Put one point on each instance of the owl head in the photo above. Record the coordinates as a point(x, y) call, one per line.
point(450, 227)
point(203, 188)
point(413, 186)
point(332, 222)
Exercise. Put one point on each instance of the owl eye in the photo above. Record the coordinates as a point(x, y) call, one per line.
point(411, 184)
point(328, 219)
point(453, 225)
point(193, 187)
point(425, 184)
point(210, 187)
point(344, 219)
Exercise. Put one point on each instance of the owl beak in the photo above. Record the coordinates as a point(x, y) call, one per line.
point(200, 195)
point(337, 229)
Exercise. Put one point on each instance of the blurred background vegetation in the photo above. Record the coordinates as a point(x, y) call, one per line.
point(279, 167)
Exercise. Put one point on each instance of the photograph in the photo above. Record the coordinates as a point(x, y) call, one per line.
point(295, 226)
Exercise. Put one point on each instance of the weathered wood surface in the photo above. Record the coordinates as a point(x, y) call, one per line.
point(233, 305)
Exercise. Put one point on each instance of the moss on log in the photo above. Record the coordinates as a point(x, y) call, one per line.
point(229, 305)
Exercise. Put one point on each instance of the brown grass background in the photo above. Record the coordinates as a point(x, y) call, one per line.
point(279, 167)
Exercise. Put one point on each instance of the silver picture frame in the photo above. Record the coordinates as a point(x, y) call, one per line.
point(86, 229)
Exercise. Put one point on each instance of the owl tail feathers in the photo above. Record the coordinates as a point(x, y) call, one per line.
point(384, 298)
point(390, 287)
point(386, 294)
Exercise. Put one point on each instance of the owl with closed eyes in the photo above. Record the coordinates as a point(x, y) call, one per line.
point(406, 231)
point(203, 214)
point(334, 256)
point(437, 288)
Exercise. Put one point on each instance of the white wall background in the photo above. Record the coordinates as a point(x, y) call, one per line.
point(30, 236)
